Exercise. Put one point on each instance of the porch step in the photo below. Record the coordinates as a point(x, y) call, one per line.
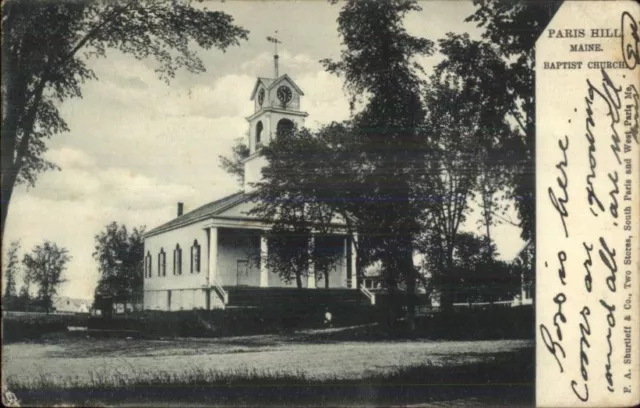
point(294, 297)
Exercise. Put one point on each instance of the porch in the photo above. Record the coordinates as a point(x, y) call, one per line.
point(238, 273)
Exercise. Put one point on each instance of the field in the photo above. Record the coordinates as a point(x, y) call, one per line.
point(307, 360)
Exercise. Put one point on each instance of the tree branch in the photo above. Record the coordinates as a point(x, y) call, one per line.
point(517, 118)
point(508, 221)
point(94, 31)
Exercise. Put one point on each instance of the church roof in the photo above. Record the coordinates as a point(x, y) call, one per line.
point(271, 82)
point(200, 213)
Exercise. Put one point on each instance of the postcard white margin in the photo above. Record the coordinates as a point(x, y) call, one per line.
point(587, 206)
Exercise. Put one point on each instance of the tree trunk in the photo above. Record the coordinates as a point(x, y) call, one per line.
point(13, 152)
point(326, 278)
point(298, 280)
point(391, 291)
point(9, 176)
point(446, 297)
point(488, 223)
point(410, 282)
point(7, 192)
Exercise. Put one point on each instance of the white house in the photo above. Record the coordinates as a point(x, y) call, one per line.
point(65, 304)
point(206, 258)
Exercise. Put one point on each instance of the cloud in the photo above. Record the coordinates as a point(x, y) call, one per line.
point(125, 81)
point(291, 64)
point(67, 157)
point(227, 96)
point(114, 187)
point(324, 98)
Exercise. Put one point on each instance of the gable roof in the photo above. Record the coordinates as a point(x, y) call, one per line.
point(261, 80)
point(272, 82)
point(67, 303)
point(200, 213)
point(288, 78)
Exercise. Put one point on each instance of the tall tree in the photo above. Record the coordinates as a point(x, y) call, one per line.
point(292, 197)
point(120, 257)
point(11, 269)
point(45, 266)
point(46, 46)
point(380, 72)
point(450, 176)
point(473, 138)
point(24, 298)
point(513, 27)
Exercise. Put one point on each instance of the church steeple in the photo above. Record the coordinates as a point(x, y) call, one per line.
point(276, 108)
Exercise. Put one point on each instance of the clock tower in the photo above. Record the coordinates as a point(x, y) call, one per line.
point(276, 109)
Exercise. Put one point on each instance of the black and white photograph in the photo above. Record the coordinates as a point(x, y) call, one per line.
point(270, 203)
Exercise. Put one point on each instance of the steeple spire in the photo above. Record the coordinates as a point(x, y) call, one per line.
point(275, 56)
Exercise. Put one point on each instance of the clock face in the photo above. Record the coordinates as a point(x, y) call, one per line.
point(284, 94)
point(261, 97)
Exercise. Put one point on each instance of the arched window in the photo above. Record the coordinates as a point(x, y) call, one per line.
point(195, 257)
point(177, 260)
point(147, 265)
point(284, 127)
point(162, 263)
point(259, 128)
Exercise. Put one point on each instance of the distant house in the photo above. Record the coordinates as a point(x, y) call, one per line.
point(65, 304)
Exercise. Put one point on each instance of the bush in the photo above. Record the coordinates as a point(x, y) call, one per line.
point(229, 322)
point(33, 326)
point(492, 322)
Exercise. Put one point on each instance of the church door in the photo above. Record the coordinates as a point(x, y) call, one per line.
point(243, 273)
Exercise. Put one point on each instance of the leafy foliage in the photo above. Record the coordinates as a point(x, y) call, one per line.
point(45, 266)
point(235, 164)
point(450, 173)
point(45, 49)
point(513, 28)
point(289, 252)
point(295, 197)
point(120, 256)
point(380, 71)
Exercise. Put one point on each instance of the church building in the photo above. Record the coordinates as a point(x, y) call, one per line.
point(211, 257)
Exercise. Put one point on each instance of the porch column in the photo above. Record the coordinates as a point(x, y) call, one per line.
point(213, 254)
point(311, 279)
point(354, 263)
point(264, 270)
point(345, 259)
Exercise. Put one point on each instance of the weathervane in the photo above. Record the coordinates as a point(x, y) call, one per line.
point(275, 56)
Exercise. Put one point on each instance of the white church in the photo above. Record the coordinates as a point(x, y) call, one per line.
point(210, 257)
point(213, 257)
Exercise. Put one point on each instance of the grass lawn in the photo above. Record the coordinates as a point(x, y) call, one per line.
point(292, 369)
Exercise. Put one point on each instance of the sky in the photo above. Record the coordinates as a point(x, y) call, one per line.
point(138, 146)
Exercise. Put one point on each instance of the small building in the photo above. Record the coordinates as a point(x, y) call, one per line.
point(211, 257)
point(65, 304)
